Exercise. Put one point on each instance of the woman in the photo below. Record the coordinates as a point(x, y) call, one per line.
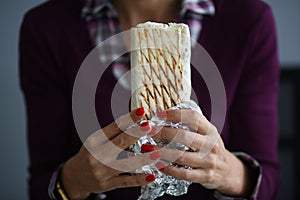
point(241, 39)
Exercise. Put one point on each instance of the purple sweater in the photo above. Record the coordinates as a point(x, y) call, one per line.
point(241, 39)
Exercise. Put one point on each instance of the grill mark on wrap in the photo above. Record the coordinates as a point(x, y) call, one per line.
point(179, 65)
point(161, 68)
point(174, 73)
point(149, 92)
point(146, 98)
point(157, 74)
point(169, 67)
point(143, 65)
point(146, 33)
point(165, 105)
point(173, 68)
point(180, 71)
point(168, 92)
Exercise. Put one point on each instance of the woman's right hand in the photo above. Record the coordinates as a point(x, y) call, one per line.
point(96, 168)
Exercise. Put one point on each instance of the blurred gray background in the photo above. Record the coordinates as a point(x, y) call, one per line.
point(13, 150)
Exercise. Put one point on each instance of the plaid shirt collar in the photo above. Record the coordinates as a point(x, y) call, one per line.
point(96, 12)
point(203, 7)
point(94, 8)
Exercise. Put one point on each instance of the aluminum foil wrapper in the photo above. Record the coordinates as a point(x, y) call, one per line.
point(163, 184)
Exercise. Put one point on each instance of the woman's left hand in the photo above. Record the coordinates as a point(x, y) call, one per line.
point(213, 166)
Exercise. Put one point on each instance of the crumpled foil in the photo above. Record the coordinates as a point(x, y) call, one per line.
point(163, 184)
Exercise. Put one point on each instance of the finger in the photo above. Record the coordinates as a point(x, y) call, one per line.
point(170, 155)
point(212, 143)
point(195, 120)
point(125, 181)
point(188, 138)
point(130, 164)
point(206, 177)
point(123, 122)
point(183, 158)
point(191, 159)
point(130, 136)
point(112, 148)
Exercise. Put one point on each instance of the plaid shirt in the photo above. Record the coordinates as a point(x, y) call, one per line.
point(102, 20)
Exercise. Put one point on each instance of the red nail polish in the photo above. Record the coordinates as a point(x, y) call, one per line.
point(162, 114)
point(140, 111)
point(150, 178)
point(152, 132)
point(160, 166)
point(155, 155)
point(145, 126)
point(147, 147)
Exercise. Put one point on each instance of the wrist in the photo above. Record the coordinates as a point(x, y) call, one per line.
point(70, 182)
point(236, 182)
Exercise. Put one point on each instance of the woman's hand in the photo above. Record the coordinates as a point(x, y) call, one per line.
point(214, 167)
point(97, 169)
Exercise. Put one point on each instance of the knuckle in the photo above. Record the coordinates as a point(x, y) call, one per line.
point(211, 160)
point(177, 155)
point(216, 147)
point(119, 142)
point(165, 133)
point(183, 159)
point(184, 135)
point(90, 142)
point(127, 140)
point(213, 148)
point(101, 185)
point(90, 160)
point(125, 182)
point(94, 172)
point(209, 176)
point(115, 126)
point(212, 129)
point(186, 175)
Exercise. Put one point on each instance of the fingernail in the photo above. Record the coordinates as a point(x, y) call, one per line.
point(152, 132)
point(160, 166)
point(150, 178)
point(155, 155)
point(140, 111)
point(145, 126)
point(147, 147)
point(162, 114)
